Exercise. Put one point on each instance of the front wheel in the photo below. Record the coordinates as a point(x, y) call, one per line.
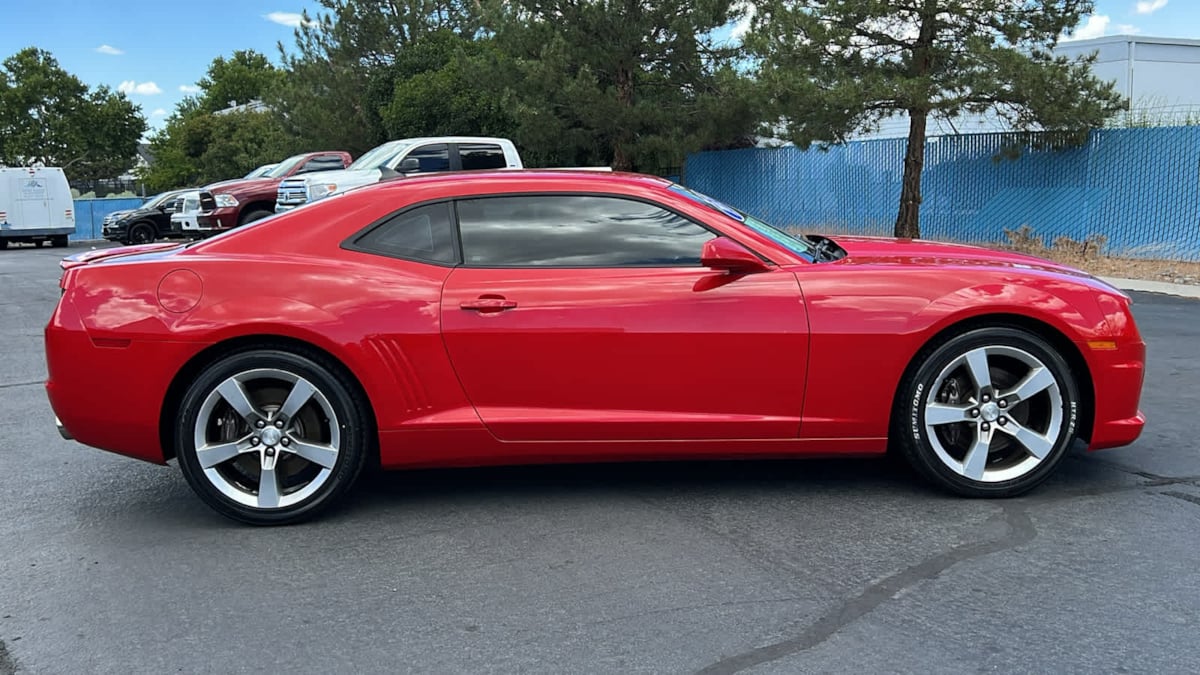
point(142, 233)
point(270, 437)
point(252, 216)
point(988, 413)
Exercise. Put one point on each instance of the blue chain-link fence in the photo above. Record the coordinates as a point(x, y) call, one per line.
point(1138, 188)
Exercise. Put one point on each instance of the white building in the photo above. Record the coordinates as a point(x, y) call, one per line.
point(1159, 76)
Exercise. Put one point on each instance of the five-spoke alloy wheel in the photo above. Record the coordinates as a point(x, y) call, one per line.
point(271, 437)
point(988, 413)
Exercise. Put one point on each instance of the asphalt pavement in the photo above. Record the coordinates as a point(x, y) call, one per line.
point(108, 565)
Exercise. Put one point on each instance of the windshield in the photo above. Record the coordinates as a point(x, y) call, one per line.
point(380, 156)
point(790, 241)
point(158, 200)
point(261, 171)
point(281, 169)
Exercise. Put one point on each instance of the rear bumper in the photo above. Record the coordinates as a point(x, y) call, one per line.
point(62, 430)
point(21, 233)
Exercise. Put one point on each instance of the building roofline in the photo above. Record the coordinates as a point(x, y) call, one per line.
point(1124, 38)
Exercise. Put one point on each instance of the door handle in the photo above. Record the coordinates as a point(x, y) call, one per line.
point(486, 305)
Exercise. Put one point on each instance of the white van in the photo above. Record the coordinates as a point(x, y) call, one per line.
point(35, 206)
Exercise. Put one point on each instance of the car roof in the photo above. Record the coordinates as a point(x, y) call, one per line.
point(579, 178)
point(451, 139)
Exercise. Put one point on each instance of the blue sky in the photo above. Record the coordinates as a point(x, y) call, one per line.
point(154, 49)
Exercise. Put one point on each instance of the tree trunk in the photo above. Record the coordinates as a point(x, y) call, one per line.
point(908, 220)
point(621, 159)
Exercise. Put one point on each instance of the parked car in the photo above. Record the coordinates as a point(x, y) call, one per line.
point(228, 204)
point(407, 157)
point(150, 221)
point(35, 206)
point(539, 316)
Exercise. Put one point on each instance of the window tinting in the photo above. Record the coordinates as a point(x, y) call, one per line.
point(432, 157)
point(477, 156)
point(424, 233)
point(576, 231)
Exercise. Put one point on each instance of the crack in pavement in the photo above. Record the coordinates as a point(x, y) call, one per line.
point(19, 384)
point(1182, 495)
point(1020, 530)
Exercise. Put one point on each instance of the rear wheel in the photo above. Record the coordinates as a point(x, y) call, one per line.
point(141, 233)
point(988, 413)
point(271, 437)
point(59, 241)
point(3, 244)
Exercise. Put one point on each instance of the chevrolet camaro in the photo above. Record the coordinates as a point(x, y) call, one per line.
point(553, 316)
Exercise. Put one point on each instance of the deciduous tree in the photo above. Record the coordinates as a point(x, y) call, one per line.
point(49, 115)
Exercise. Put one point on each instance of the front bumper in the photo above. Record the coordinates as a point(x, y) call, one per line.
point(1118, 376)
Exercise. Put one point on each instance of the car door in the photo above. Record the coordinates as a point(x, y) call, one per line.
point(589, 317)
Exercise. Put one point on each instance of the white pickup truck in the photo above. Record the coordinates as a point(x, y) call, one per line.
point(407, 157)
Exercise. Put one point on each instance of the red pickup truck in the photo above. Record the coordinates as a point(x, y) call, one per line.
point(231, 203)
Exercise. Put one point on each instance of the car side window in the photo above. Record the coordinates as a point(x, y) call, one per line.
point(477, 156)
point(432, 157)
point(576, 231)
point(424, 233)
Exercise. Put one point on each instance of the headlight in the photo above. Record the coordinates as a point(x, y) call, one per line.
point(323, 190)
point(225, 201)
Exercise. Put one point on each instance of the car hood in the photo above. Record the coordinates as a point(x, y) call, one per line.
point(132, 213)
point(918, 252)
point(244, 185)
point(343, 177)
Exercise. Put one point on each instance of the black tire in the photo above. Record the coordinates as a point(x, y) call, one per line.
point(1008, 478)
point(250, 217)
point(344, 399)
point(59, 241)
point(3, 244)
point(140, 233)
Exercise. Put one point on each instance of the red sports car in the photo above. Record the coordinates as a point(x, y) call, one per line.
point(522, 317)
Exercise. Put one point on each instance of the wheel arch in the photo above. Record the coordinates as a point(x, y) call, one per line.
point(209, 355)
point(1048, 332)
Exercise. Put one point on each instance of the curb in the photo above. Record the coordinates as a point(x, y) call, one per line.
point(1178, 290)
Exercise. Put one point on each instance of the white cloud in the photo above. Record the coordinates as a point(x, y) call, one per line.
point(743, 24)
point(143, 88)
point(189, 89)
point(159, 112)
point(1150, 6)
point(1128, 29)
point(289, 19)
point(1095, 26)
point(110, 50)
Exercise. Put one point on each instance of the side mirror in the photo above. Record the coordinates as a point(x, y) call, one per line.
point(724, 253)
point(409, 165)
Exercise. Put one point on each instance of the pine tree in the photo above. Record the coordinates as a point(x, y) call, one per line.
point(836, 67)
point(634, 83)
